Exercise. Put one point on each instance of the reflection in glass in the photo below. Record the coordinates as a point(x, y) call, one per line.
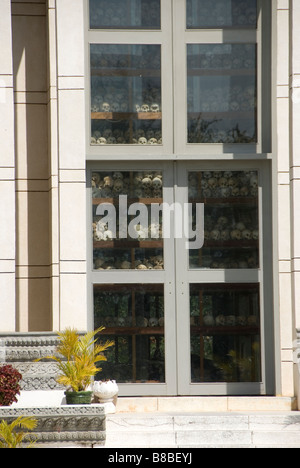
point(221, 93)
point(230, 219)
point(140, 248)
point(221, 14)
point(225, 333)
point(126, 94)
point(124, 14)
point(134, 318)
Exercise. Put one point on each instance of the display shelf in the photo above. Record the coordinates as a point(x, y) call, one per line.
point(221, 72)
point(133, 331)
point(126, 116)
point(224, 115)
point(115, 201)
point(224, 330)
point(135, 244)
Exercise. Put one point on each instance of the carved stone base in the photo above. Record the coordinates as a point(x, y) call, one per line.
point(63, 426)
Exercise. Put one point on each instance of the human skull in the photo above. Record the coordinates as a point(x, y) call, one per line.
point(126, 265)
point(235, 234)
point(154, 108)
point(142, 141)
point(108, 235)
point(145, 108)
point(141, 322)
point(235, 192)
point(101, 141)
point(215, 234)
point(161, 321)
point(240, 226)
point(255, 234)
point(224, 235)
point(106, 107)
point(147, 182)
point(118, 185)
point(138, 193)
point(208, 320)
point(227, 174)
point(241, 320)
point(108, 182)
point(252, 320)
point(212, 182)
point(230, 320)
point(244, 191)
point(152, 141)
point(115, 107)
point(253, 181)
point(246, 234)
point(222, 182)
point(157, 183)
point(153, 322)
point(220, 320)
point(224, 192)
point(121, 321)
point(222, 221)
point(117, 176)
point(138, 108)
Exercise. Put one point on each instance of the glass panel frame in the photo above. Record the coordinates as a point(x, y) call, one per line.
point(165, 278)
point(262, 277)
point(261, 37)
point(162, 38)
point(203, 14)
point(128, 14)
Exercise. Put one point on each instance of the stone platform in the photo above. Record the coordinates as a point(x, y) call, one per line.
point(68, 426)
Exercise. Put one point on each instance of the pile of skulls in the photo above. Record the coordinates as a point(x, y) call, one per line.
point(120, 137)
point(223, 184)
point(219, 99)
point(140, 321)
point(136, 184)
point(110, 263)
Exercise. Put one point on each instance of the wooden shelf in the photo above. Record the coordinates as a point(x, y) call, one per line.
point(221, 72)
point(133, 331)
point(223, 115)
point(126, 115)
point(134, 244)
point(228, 330)
point(115, 201)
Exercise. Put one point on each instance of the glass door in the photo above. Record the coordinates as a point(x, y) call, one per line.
point(133, 274)
point(224, 284)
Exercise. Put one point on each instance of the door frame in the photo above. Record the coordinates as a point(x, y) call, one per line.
point(263, 276)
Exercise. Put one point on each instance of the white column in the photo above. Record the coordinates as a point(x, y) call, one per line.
point(7, 175)
point(71, 144)
point(295, 170)
point(283, 199)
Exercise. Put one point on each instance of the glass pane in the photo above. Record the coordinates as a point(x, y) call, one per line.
point(134, 318)
point(225, 333)
point(124, 14)
point(121, 240)
point(126, 94)
point(231, 238)
point(221, 14)
point(221, 93)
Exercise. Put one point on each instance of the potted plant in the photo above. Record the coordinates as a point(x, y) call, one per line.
point(76, 359)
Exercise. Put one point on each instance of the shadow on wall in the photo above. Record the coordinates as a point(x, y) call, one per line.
point(33, 282)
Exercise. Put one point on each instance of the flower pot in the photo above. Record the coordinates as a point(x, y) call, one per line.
point(79, 398)
point(105, 391)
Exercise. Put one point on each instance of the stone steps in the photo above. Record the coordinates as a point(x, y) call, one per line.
point(204, 430)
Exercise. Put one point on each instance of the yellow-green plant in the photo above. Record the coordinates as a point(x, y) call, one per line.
point(77, 356)
point(12, 437)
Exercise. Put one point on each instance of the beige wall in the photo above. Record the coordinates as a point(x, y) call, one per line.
point(29, 45)
point(42, 170)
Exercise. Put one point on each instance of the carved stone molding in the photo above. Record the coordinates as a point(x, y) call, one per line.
point(22, 349)
point(77, 425)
